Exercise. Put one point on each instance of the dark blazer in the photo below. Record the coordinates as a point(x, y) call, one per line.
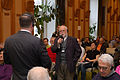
point(72, 52)
point(25, 51)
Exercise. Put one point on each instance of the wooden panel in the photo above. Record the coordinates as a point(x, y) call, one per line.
point(13, 18)
point(70, 21)
point(76, 20)
point(87, 14)
point(115, 11)
point(82, 20)
point(112, 13)
point(18, 11)
point(10, 14)
point(118, 19)
point(1, 28)
point(6, 21)
point(76, 16)
point(23, 6)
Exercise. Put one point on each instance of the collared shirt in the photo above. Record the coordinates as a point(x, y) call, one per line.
point(65, 37)
point(25, 30)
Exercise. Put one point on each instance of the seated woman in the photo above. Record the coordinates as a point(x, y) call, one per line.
point(5, 69)
point(90, 57)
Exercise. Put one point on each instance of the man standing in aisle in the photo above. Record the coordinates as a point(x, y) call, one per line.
point(67, 52)
point(25, 51)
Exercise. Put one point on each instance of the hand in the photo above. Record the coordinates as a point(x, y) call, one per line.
point(60, 40)
point(87, 59)
point(82, 60)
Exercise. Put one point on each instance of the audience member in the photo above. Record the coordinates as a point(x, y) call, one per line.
point(97, 40)
point(50, 53)
point(25, 51)
point(113, 41)
point(5, 69)
point(106, 68)
point(117, 42)
point(45, 40)
point(86, 42)
point(102, 46)
point(83, 50)
point(38, 73)
point(90, 57)
point(56, 33)
point(67, 52)
point(53, 59)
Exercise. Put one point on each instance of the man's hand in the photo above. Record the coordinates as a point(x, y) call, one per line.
point(60, 40)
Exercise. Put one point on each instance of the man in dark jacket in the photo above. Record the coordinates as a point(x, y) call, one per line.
point(67, 52)
point(25, 51)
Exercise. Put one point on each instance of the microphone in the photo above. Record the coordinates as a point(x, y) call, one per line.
point(60, 36)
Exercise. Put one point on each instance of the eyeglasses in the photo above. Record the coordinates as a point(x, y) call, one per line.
point(103, 68)
point(62, 31)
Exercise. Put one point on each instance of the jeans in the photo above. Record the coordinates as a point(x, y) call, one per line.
point(82, 67)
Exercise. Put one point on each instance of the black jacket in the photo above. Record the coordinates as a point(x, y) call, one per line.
point(72, 52)
point(25, 51)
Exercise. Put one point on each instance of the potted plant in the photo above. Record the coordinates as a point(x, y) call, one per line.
point(91, 31)
point(43, 13)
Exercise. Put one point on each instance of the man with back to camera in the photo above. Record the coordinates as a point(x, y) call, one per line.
point(25, 51)
point(106, 68)
point(67, 52)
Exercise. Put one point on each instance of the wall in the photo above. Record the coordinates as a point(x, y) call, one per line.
point(10, 10)
point(77, 14)
point(109, 18)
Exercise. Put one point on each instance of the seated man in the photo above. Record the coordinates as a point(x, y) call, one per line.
point(90, 57)
point(45, 40)
point(102, 45)
point(106, 70)
point(38, 73)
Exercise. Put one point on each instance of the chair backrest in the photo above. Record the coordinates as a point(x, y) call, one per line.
point(110, 50)
point(87, 48)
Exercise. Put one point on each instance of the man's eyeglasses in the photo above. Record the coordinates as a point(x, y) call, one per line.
point(103, 68)
point(62, 31)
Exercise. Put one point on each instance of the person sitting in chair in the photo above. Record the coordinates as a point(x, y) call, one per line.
point(106, 68)
point(90, 57)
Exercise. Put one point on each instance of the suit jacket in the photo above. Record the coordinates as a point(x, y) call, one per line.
point(72, 52)
point(25, 51)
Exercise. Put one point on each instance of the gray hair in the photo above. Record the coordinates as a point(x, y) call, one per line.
point(106, 58)
point(65, 27)
point(38, 73)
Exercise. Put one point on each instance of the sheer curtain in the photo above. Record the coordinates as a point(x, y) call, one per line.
point(94, 15)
